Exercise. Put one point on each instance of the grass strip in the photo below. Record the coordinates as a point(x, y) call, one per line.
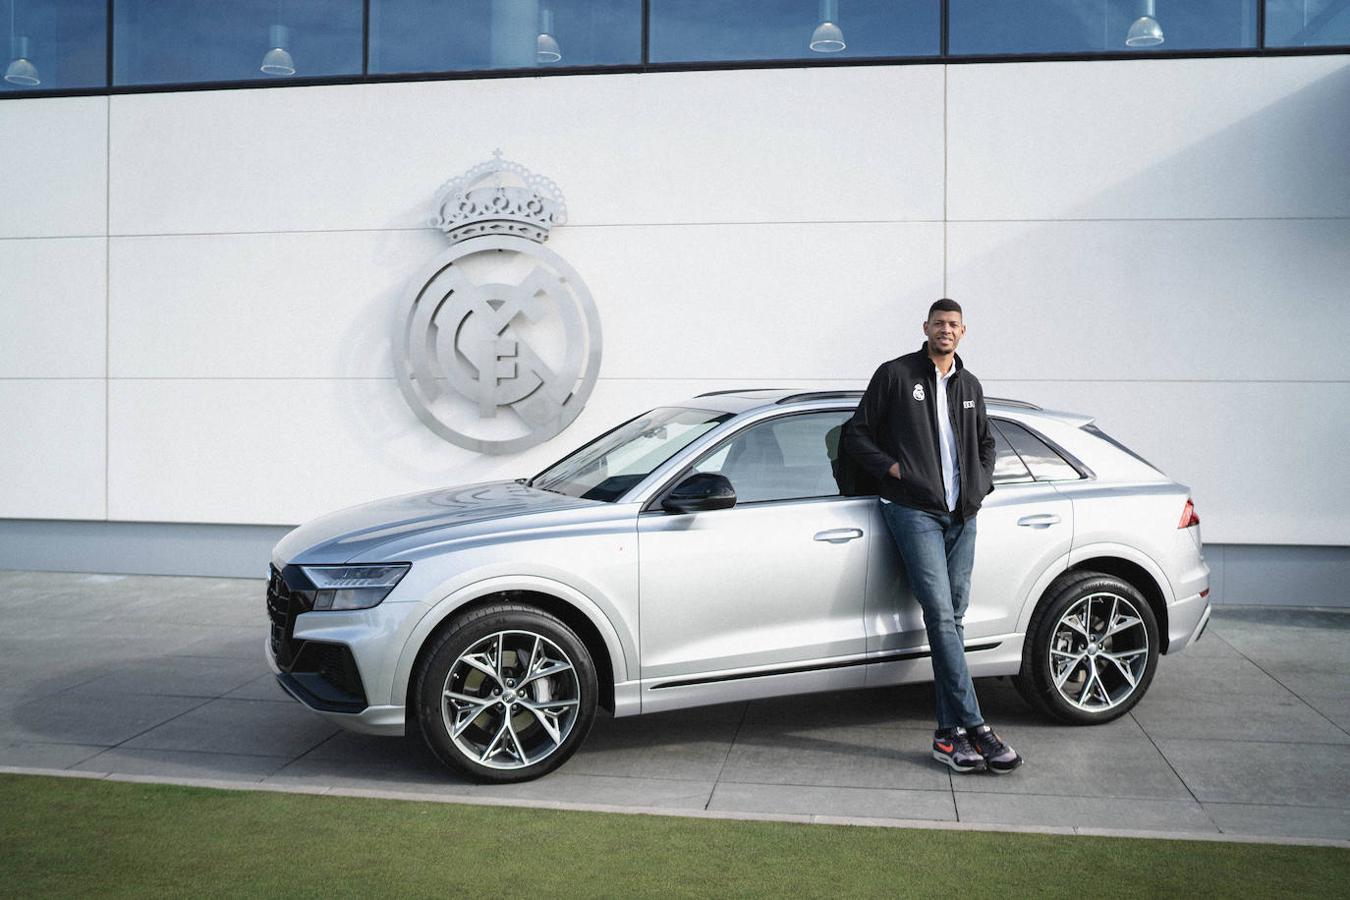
point(74, 837)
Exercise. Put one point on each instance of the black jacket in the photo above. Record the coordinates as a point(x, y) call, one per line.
point(896, 421)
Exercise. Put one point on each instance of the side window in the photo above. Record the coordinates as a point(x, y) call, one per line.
point(1008, 466)
point(788, 458)
point(1045, 464)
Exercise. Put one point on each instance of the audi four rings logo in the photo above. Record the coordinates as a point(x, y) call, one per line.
point(498, 343)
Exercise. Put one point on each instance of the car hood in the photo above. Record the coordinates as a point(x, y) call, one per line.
point(359, 531)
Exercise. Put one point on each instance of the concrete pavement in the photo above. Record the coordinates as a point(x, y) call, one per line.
point(1248, 733)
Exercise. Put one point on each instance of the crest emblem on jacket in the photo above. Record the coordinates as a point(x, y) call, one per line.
point(918, 392)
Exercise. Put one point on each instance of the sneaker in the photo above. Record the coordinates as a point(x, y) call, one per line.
point(1000, 758)
point(952, 746)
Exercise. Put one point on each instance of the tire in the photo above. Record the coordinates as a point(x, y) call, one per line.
point(1091, 649)
point(466, 689)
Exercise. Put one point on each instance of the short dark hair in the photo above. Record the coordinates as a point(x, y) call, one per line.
point(946, 304)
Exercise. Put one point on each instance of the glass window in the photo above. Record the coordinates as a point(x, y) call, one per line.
point(1008, 466)
point(788, 458)
point(694, 30)
point(55, 44)
point(1045, 464)
point(451, 35)
point(185, 41)
point(1075, 26)
point(1307, 23)
point(610, 465)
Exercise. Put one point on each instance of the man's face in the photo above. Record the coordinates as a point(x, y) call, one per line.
point(944, 331)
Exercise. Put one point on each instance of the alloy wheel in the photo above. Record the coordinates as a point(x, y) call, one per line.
point(511, 699)
point(1099, 651)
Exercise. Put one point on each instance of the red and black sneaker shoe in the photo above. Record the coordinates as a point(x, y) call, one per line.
point(1000, 758)
point(952, 746)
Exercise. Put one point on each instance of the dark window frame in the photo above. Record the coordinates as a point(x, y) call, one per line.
point(943, 57)
point(1068, 458)
point(654, 504)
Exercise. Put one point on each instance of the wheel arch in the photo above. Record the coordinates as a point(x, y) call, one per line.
point(575, 610)
point(1138, 577)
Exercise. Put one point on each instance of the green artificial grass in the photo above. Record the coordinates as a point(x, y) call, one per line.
point(81, 838)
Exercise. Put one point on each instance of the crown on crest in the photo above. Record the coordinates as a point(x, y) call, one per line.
point(499, 197)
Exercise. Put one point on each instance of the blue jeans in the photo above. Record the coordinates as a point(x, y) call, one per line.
point(938, 552)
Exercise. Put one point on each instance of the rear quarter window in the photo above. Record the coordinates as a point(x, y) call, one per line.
point(1043, 460)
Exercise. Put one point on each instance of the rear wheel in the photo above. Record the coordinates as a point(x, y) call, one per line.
point(507, 693)
point(1091, 650)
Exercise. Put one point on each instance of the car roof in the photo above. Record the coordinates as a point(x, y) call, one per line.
point(742, 400)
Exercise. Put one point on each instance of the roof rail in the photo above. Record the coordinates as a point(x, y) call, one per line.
point(732, 391)
point(1020, 404)
point(820, 395)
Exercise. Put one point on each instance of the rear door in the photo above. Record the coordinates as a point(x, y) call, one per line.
point(1023, 527)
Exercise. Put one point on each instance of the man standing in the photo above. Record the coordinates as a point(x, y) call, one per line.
point(921, 432)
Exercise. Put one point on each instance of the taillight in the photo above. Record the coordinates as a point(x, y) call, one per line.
point(1189, 516)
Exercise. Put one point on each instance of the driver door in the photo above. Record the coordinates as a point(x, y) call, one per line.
point(765, 597)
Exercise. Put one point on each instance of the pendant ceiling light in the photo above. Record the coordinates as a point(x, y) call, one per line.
point(277, 60)
point(21, 70)
point(546, 49)
point(1145, 32)
point(828, 38)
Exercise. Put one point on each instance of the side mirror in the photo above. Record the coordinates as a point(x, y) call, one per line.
point(700, 492)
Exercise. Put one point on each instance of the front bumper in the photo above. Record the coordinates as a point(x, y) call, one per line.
point(338, 664)
point(381, 720)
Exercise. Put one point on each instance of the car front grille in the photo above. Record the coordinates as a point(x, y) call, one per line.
point(283, 605)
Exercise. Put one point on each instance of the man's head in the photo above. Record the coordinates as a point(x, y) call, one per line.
point(944, 327)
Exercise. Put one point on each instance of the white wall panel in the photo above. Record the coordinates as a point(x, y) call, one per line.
point(1264, 460)
point(747, 302)
point(284, 451)
point(317, 304)
point(843, 144)
point(52, 307)
point(53, 178)
point(1156, 139)
point(795, 302)
point(1256, 300)
point(52, 453)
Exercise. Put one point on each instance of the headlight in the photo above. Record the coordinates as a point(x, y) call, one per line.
point(353, 587)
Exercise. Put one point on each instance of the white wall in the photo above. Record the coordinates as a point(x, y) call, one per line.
point(197, 290)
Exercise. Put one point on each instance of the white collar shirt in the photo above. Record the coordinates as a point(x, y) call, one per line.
point(951, 468)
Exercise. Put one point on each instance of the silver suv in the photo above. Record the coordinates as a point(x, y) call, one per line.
point(712, 551)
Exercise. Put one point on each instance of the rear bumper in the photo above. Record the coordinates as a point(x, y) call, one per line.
point(1187, 620)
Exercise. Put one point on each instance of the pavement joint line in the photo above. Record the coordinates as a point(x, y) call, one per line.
point(731, 745)
point(1296, 695)
point(693, 813)
point(1173, 770)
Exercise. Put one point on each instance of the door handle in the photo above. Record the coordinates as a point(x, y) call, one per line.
point(839, 535)
point(1040, 520)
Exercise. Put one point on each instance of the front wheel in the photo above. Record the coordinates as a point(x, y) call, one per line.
point(507, 693)
point(1092, 647)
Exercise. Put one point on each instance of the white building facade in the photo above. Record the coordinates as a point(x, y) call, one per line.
point(198, 289)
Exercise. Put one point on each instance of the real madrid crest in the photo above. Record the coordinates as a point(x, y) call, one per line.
point(498, 343)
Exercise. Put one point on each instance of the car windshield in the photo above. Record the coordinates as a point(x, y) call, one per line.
point(611, 464)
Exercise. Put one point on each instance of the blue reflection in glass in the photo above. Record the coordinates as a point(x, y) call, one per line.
point(1086, 26)
point(52, 44)
point(704, 30)
point(182, 41)
point(1307, 23)
point(457, 35)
